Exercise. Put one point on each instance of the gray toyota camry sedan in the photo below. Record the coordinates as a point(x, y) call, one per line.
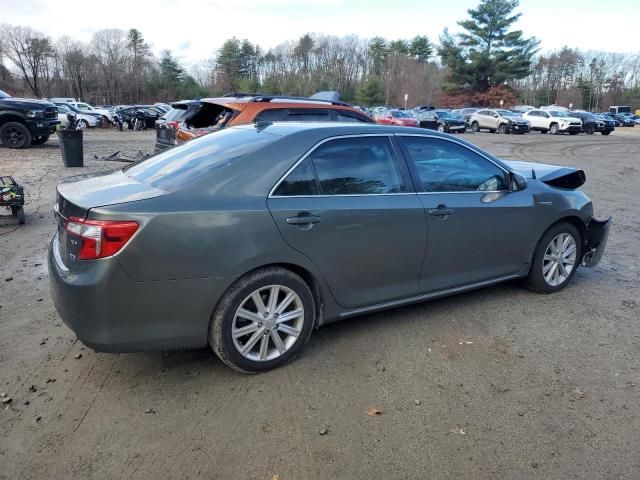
point(249, 238)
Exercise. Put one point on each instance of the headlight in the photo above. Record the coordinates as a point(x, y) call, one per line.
point(35, 113)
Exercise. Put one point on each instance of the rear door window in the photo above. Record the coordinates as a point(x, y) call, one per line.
point(357, 166)
point(300, 182)
point(307, 115)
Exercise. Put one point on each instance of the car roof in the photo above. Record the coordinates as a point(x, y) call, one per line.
point(330, 129)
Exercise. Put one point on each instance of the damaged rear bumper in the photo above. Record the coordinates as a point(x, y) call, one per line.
point(597, 235)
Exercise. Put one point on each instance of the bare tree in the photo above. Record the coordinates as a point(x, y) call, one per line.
point(29, 51)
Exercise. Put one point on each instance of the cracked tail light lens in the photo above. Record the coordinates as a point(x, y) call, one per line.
point(100, 238)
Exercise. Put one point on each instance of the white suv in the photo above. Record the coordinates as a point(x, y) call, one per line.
point(553, 121)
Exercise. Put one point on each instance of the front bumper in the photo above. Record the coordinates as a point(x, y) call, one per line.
point(572, 128)
point(518, 128)
point(110, 312)
point(596, 242)
point(40, 127)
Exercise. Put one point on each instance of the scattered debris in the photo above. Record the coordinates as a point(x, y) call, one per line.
point(458, 431)
point(150, 410)
point(323, 431)
point(39, 300)
point(576, 394)
point(44, 340)
point(8, 279)
point(123, 157)
point(38, 418)
point(629, 304)
point(6, 400)
point(417, 402)
point(374, 411)
point(33, 388)
point(51, 380)
point(3, 395)
point(77, 356)
point(27, 402)
point(521, 414)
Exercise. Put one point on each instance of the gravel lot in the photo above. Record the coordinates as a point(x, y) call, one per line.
point(498, 383)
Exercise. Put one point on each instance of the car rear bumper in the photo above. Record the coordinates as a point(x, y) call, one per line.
point(597, 235)
point(110, 312)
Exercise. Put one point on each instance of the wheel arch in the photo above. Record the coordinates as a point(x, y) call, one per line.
point(6, 117)
point(572, 219)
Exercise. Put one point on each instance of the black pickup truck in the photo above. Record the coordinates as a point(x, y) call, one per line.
point(25, 122)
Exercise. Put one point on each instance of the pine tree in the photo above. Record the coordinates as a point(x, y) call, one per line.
point(489, 53)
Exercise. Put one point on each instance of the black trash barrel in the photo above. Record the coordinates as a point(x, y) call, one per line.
point(71, 145)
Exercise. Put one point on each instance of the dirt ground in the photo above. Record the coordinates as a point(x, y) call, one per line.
point(498, 383)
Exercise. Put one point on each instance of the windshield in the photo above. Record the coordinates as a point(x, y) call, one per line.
point(400, 114)
point(508, 113)
point(446, 114)
point(558, 114)
point(184, 164)
point(4, 95)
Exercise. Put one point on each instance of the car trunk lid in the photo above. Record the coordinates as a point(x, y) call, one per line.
point(76, 196)
point(552, 175)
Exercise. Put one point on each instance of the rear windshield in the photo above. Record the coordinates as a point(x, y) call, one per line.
point(175, 114)
point(182, 165)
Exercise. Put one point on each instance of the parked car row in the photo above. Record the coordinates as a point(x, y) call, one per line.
point(523, 119)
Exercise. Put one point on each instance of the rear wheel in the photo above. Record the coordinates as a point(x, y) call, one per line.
point(589, 129)
point(606, 132)
point(556, 259)
point(15, 135)
point(475, 127)
point(263, 320)
point(83, 124)
point(441, 128)
point(502, 128)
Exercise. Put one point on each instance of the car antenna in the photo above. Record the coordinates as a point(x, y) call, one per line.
point(533, 174)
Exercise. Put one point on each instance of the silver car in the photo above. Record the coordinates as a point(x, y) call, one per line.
point(499, 120)
point(248, 238)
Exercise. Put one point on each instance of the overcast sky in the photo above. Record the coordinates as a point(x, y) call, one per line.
point(194, 29)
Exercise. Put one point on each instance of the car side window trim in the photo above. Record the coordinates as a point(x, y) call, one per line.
point(409, 185)
point(418, 183)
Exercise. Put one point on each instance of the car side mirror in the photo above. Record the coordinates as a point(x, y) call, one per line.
point(517, 182)
point(495, 115)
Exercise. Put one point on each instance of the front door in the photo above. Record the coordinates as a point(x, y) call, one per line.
point(477, 229)
point(349, 208)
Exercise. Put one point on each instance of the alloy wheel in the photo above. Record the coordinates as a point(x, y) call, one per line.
point(559, 259)
point(267, 323)
point(13, 137)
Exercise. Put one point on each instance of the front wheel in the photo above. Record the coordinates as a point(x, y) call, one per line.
point(502, 128)
point(263, 320)
point(475, 127)
point(441, 128)
point(83, 125)
point(606, 132)
point(554, 129)
point(15, 135)
point(556, 259)
point(589, 130)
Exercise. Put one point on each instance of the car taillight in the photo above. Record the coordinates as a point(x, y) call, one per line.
point(173, 124)
point(100, 238)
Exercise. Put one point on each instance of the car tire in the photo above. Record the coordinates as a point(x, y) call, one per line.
point(475, 127)
point(554, 129)
point(15, 135)
point(83, 124)
point(606, 132)
point(543, 264)
point(589, 130)
point(441, 128)
point(230, 319)
point(502, 128)
point(40, 140)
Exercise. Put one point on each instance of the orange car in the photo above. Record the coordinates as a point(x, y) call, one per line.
point(236, 109)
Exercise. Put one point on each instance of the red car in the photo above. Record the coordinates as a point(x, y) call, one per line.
point(397, 117)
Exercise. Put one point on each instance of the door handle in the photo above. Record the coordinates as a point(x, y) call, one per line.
point(303, 219)
point(442, 211)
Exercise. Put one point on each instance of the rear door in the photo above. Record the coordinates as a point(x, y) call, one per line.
point(350, 208)
point(478, 229)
